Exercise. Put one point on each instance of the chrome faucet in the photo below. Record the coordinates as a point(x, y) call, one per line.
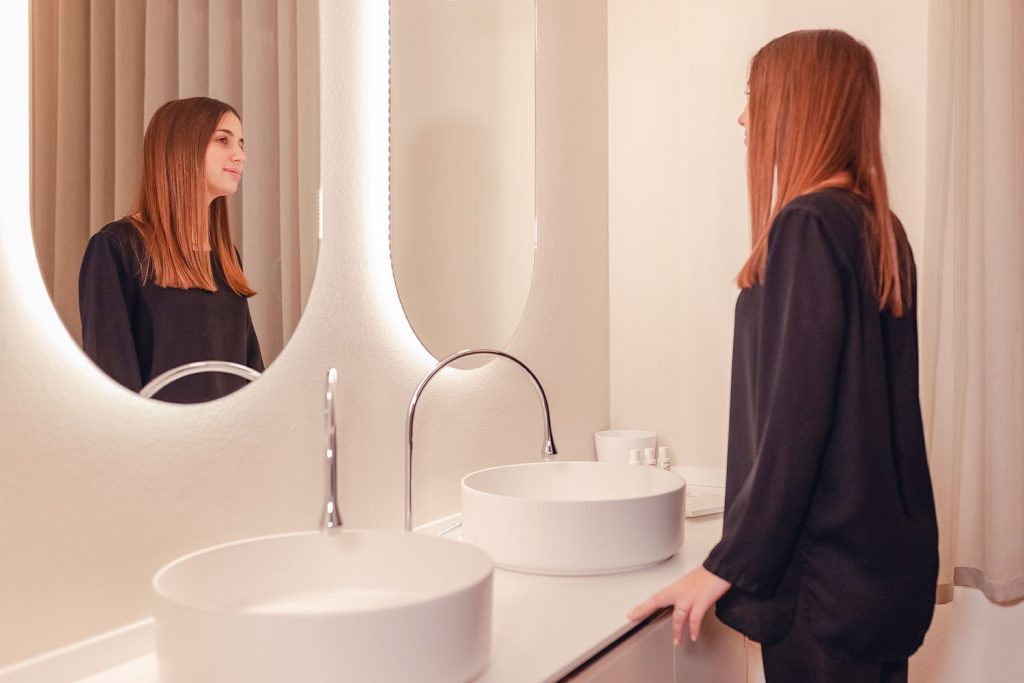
point(331, 518)
point(549, 451)
point(174, 374)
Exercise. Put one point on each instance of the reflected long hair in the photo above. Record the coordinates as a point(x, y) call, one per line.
point(815, 111)
point(170, 209)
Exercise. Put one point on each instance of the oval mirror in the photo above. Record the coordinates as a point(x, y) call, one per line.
point(462, 168)
point(100, 71)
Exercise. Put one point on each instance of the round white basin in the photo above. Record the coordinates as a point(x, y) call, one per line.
point(574, 518)
point(339, 606)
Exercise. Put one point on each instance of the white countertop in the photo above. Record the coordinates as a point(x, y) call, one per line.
point(585, 614)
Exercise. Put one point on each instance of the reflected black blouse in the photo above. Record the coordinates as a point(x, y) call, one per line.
point(829, 514)
point(135, 330)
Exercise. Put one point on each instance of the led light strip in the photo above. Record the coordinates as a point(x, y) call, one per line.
point(376, 152)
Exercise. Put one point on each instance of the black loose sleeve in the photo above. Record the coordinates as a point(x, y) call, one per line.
point(106, 293)
point(798, 357)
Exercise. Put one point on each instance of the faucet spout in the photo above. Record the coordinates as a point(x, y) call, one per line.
point(331, 518)
point(548, 452)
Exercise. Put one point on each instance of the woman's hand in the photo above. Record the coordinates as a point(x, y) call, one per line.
point(691, 595)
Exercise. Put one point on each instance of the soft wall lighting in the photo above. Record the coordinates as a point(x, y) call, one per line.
point(31, 311)
point(20, 267)
point(376, 127)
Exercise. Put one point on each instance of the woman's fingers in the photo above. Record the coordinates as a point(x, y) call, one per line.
point(679, 615)
point(691, 597)
point(696, 617)
point(701, 605)
point(649, 605)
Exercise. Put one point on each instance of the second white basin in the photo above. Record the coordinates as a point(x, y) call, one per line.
point(574, 518)
point(341, 606)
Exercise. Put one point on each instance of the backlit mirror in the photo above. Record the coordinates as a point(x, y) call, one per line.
point(462, 168)
point(99, 71)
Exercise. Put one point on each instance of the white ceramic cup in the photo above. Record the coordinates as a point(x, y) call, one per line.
point(614, 445)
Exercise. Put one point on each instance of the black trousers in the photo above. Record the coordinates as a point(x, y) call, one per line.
point(799, 659)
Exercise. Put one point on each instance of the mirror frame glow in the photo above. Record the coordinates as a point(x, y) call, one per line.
point(17, 251)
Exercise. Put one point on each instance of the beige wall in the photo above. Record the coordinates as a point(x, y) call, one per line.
point(99, 488)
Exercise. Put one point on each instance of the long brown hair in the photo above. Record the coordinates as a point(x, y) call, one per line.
point(815, 112)
point(170, 209)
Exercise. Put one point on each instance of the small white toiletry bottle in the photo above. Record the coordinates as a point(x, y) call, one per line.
point(663, 460)
point(649, 458)
point(634, 456)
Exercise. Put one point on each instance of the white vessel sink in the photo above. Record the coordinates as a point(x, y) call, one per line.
point(574, 518)
point(340, 606)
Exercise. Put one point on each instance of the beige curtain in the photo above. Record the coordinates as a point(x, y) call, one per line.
point(100, 68)
point(972, 317)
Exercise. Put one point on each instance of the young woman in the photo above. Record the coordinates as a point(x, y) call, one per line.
point(829, 552)
point(164, 286)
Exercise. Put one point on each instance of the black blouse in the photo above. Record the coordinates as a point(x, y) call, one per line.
point(829, 512)
point(135, 330)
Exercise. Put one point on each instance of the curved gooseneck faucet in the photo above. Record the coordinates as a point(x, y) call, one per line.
point(331, 518)
point(549, 452)
point(174, 374)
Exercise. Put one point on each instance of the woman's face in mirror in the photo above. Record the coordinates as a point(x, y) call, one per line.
point(225, 156)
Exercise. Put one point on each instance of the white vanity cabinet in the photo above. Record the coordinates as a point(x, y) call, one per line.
point(719, 656)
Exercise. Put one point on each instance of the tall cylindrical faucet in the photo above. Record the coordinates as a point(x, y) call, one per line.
point(331, 518)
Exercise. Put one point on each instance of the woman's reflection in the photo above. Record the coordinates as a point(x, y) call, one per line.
point(164, 285)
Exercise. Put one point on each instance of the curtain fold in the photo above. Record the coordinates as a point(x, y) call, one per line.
point(70, 183)
point(100, 68)
point(972, 302)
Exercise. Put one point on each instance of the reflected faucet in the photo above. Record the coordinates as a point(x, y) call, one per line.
point(174, 374)
point(331, 518)
point(549, 451)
